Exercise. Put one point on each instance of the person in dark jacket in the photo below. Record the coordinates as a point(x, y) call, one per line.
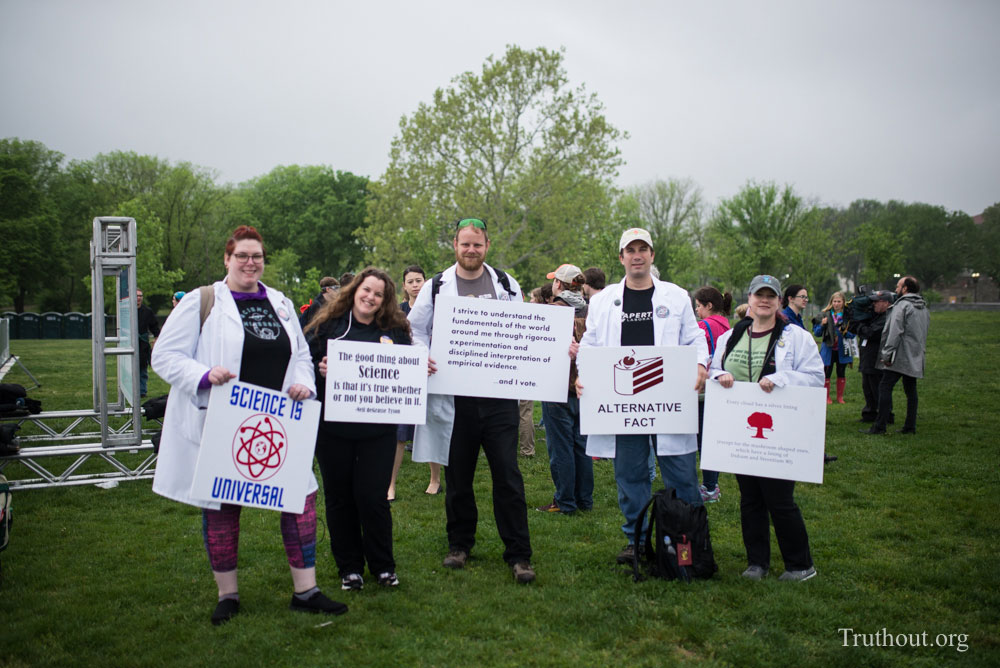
point(904, 341)
point(794, 302)
point(148, 324)
point(355, 459)
point(870, 333)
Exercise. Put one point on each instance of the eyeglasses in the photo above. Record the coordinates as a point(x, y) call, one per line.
point(243, 257)
point(475, 222)
point(806, 297)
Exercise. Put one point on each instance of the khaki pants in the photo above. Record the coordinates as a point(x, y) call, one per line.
point(526, 428)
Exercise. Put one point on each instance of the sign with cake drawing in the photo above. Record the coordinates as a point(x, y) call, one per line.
point(638, 390)
point(776, 434)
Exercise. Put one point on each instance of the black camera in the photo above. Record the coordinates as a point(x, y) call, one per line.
point(862, 307)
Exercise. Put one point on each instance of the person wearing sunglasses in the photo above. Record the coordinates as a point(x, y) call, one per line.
point(457, 427)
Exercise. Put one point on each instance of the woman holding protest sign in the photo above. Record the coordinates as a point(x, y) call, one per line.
point(235, 329)
point(356, 458)
point(767, 350)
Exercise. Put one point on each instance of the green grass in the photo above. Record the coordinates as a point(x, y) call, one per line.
point(903, 532)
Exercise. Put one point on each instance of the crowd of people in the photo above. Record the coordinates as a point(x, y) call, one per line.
point(240, 328)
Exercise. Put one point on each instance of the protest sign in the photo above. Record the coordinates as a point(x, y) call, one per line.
point(374, 382)
point(256, 449)
point(780, 434)
point(638, 390)
point(501, 349)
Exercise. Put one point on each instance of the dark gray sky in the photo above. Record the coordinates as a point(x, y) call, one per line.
point(843, 100)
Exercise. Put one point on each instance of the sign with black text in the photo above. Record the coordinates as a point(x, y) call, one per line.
point(501, 349)
point(375, 382)
point(638, 390)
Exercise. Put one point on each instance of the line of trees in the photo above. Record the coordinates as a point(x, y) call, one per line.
point(514, 144)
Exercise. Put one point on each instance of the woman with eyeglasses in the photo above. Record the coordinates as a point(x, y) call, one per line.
point(767, 350)
point(248, 332)
point(795, 301)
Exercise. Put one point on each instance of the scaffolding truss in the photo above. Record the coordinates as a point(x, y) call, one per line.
point(65, 448)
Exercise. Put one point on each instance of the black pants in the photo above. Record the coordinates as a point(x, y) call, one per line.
point(889, 380)
point(760, 497)
point(492, 424)
point(356, 475)
point(870, 381)
point(841, 368)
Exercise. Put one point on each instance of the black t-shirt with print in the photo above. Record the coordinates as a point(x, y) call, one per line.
point(637, 317)
point(266, 347)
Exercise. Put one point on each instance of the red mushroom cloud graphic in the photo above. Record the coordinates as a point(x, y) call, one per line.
point(760, 422)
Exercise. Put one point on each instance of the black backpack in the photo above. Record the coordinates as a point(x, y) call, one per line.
point(436, 281)
point(678, 545)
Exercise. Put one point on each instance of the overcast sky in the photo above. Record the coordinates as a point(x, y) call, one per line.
point(842, 99)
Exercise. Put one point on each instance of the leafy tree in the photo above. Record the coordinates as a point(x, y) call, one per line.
point(283, 271)
point(988, 258)
point(313, 211)
point(514, 145)
point(31, 252)
point(881, 253)
point(751, 232)
point(671, 211)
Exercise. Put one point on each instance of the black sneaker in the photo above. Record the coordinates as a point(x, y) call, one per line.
point(317, 603)
point(456, 559)
point(627, 555)
point(523, 572)
point(225, 610)
point(388, 580)
point(352, 582)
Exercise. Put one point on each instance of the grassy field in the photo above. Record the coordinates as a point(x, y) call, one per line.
point(903, 531)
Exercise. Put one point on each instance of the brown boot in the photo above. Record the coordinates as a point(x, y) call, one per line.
point(840, 390)
point(827, 386)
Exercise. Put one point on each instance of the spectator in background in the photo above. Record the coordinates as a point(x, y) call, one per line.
point(346, 278)
point(177, 297)
point(328, 286)
point(572, 470)
point(413, 280)
point(795, 301)
point(712, 309)
point(833, 330)
point(870, 333)
point(904, 342)
point(148, 325)
point(595, 282)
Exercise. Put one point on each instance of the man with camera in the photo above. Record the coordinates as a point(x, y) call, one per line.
point(867, 321)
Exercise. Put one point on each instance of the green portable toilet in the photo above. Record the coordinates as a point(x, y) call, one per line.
point(15, 327)
point(76, 326)
point(52, 325)
point(29, 325)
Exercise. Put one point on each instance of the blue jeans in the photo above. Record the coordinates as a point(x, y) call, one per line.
point(572, 470)
point(632, 477)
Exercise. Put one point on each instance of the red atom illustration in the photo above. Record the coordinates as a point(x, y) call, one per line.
point(259, 447)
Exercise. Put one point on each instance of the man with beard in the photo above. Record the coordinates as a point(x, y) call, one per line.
point(458, 426)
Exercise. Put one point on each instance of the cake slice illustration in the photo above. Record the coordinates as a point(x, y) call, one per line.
point(632, 376)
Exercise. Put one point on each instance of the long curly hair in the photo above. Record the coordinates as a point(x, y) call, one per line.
point(389, 316)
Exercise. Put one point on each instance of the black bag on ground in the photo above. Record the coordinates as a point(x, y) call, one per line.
point(677, 541)
point(10, 392)
point(155, 408)
point(10, 444)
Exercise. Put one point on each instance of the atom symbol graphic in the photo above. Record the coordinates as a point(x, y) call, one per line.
point(259, 447)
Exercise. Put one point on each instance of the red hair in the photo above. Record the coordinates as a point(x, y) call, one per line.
point(243, 232)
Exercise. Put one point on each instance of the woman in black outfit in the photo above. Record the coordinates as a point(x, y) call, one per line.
point(355, 458)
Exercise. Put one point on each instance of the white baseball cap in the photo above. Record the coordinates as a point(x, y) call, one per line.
point(636, 233)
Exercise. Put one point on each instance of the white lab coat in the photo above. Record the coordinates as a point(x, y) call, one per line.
point(674, 324)
point(432, 441)
point(796, 359)
point(181, 357)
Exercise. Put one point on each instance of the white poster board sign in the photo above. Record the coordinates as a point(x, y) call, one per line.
point(638, 390)
point(374, 382)
point(501, 349)
point(781, 434)
point(256, 449)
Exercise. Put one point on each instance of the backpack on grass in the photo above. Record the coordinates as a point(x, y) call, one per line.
point(677, 541)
